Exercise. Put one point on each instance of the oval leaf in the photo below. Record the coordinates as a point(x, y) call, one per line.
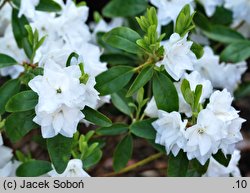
point(96, 117)
point(113, 80)
point(23, 101)
point(6, 61)
point(144, 129)
point(165, 93)
point(123, 153)
point(123, 38)
point(33, 168)
point(48, 6)
point(9, 89)
point(115, 129)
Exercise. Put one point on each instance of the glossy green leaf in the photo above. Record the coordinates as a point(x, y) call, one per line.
point(123, 153)
point(165, 93)
point(144, 76)
point(6, 61)
point(48, 6)
point(23, 101)
point(113, 79)
point(33, 168)
point(144, 129)
point(221, 158)
point(17, 125)
point(115, 129)
point(96, 117)
point(177, 166)
point(7, 90)
point(123, 38)
point(120, 8)
point(59, 148)
point(93, 159)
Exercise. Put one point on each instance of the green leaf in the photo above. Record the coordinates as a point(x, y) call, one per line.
point(6, 61)
point(242, 91)
point(119, 59)
point(158, 147)
point(144, 76)
point(201, 169)
point(48, 6)
point(165, 93)
point(216, 32)
point(120, 101)
point(59, 149)
point(17, 125)
point(33, 168)
point(123, 153)
point(115, 129)
point(113, 79)
point(144, 129)
point(178, 166)
point(7, 90)
point(221, 158)
point(123, 38)
point(198, 50)
point(227, 18)
point(18, 28)
point(96, 117)
point(236, 52)
point(23, 101)
point(93, 159)
point(120, 8)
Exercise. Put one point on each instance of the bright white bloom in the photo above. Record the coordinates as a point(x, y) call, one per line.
point(74, 169)
point(168, 10)
point(151, 109)
point(221, 75)
point(199, 38)
point(204, 137)
point(5, 18)
point(7, 167)
point(220, 104)
point(210, 6)
point(170, 131)
point(178, 57)
point(240, 9)
point(27, 8)
point(60, 102)
point(9, 47)
point(215, 169)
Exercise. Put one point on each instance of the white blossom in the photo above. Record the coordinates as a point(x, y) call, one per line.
point(5, 18)
point(221, 75)
point(170, 131)
point(177, 57)
point(151, 109)
point(9, 47)
point(240, 9)
point(210, 6)
point(74, 169)
point(215, 169)
point(60, 102)
point(168, 10)
point(204, 137)
point(27, 8)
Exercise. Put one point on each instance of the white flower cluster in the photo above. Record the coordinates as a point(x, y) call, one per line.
point(218, 127)
point(74, 169)
point(7, 166)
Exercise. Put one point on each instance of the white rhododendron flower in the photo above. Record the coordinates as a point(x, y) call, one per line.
point(60, 102)
point(210, 6)
point(221, 75)
point(177, 57)
point(170, 131)
point(5, 18)
point(74, 169)
point(240, 9)
point(204, 137)
point(151, 109)
point(215, 169)
point(9, 47)
point(27, 8)
point(7, 167)
point(168, 10)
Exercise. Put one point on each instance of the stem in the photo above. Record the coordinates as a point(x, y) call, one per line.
point(147, 63)
point(136, 165)
point(4, 2)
